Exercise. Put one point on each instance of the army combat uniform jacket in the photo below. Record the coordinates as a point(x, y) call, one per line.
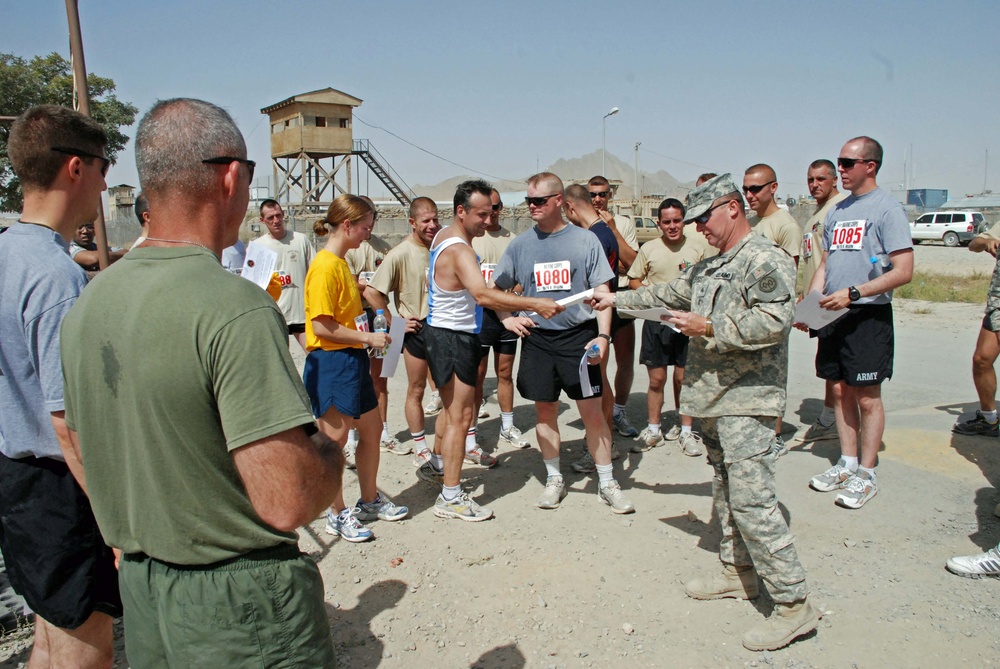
point(748, 292)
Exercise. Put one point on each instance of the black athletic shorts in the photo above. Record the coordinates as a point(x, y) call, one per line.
point(858, 347)
point(662, 346)
point(296, 328)
point(494, 335)
point(618, 322)
point(53, 551)
point(550, 362)
point(986, 324)
point(452, 353)
point(413, 342)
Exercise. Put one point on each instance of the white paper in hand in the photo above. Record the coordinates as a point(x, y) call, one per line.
point(587, 389)
point(811, 314)
point(259, 265)
point(397, 330)
point(659, 314)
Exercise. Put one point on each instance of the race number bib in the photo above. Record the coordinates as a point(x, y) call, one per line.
point(807, 245)
point(847, 235)
point(285, 279)
point(361, 322)
point(487, 270)
point(366, 276)
point(552, 275)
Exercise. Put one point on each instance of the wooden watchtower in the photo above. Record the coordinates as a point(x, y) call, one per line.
point(312, 145)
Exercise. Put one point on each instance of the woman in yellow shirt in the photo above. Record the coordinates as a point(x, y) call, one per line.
point(336, 374)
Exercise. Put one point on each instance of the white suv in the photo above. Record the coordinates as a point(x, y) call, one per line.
point(951, 227)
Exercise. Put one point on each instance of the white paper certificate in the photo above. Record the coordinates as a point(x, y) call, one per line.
point(811, 314)
point(259, 265)
point(587, 389)
point(396, 333)
point(659, 314)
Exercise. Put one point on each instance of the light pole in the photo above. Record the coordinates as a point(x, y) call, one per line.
point(604, 151)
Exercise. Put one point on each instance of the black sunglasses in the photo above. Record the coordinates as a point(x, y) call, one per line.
point(599, 193)
point(105, 162)
point(497, 207)
point(848, 163)
point(540, 200)
point(225, 160)
point(756, 189)
point(703, 219)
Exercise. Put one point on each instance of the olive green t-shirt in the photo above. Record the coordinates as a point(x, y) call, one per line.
point(171, 363)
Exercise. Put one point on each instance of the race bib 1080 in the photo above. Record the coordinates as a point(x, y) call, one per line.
point(487, 270)
point(847, 235)
point(552, 275)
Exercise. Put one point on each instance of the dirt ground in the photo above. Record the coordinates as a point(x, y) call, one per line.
point(582, 587)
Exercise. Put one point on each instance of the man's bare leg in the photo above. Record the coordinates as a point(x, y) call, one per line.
point(598, 432)
point(984, 376)
point(458, 399)
point(547, 429)
point(89, 646)
point(503, 366)
point(654, 398)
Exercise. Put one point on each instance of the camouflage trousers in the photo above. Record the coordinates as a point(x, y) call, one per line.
point(753, 530)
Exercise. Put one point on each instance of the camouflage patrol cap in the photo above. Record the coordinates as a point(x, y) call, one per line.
point(702, 197)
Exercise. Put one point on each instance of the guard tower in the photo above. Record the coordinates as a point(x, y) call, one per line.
point(312, 146)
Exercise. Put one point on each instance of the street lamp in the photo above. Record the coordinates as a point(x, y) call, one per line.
point(604, 151)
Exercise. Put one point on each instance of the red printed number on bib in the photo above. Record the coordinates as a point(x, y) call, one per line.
point(847, 235)
point(487, 270)
point(285, 279)
point(552, 275)
point(807, 245)
point(361, 323)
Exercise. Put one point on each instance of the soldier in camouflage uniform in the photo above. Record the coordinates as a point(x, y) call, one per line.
point(738, 309)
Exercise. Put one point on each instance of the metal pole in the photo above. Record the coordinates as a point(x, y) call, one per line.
point(604, 151)
point(83, 105)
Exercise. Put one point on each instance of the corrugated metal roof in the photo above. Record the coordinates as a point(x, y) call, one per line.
point(975, 202)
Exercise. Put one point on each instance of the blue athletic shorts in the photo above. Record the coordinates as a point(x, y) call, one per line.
point(341, 380)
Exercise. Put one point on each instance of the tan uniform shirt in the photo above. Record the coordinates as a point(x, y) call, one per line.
point(364, 260)
point(812, 241)
point(660, 262)
point(626, 227)
point(782, 229)
point(403, 273)
point(489, 248)
point(295, 253)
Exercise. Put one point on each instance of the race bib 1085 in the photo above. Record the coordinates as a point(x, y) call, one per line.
point(847, 235)
point(552, 275)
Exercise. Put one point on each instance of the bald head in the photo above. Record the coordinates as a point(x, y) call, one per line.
point(766, 172)
point(547, 182)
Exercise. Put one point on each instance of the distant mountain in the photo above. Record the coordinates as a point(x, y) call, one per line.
point(578, 169)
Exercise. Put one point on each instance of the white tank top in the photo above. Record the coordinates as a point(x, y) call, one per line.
point(451, 309)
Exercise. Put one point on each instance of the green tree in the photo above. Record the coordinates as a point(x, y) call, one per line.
point(49, 80)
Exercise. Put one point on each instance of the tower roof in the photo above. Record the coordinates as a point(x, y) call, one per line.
point(330, 96)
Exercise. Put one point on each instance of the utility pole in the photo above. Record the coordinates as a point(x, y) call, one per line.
point(635, 184)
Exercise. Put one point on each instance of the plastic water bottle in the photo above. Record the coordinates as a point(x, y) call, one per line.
point(594, 352)
point(381, 325)
point(882, 260)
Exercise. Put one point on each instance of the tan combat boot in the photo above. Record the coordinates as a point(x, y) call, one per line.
point(735, 582)
point(787, 623)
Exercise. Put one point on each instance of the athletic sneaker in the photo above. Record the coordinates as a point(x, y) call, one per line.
point(555, 490)
point(690, 444)
point(819, 432)
point(422, 457)
point(483, 413)
point(612, 495)
point(427, 473)
point(478, 456)
point(433, 406)
point(392, 445)
point(647, 439)
point(673, 434)
point(978, 426)
point(778, 448)
point(585, 465)
point(976, 566)
point(349, 450)
point(859, 489)
point(514, 437)
point(832, 479)
point(347, 527)
point(462, 507)
point(624, 427)
point(382, 508)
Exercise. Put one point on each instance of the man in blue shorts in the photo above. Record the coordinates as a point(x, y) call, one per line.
point(557, 260)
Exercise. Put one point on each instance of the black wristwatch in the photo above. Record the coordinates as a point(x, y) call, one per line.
point(854, 293)
point(604, 336)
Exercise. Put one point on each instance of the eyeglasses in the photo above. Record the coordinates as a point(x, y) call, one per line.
point(703, 219)
point(599, 193)
point(497, 207)
point(756, 189)
point(105, 162)
point(225, 160)
point(849, 163)
point(539, 200)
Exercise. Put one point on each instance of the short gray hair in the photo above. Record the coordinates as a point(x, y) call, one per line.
point(175, 136)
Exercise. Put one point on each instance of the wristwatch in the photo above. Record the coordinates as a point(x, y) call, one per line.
point(604, 336)
point(854, 294)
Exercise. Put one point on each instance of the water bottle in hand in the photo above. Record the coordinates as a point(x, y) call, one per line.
point(380, 325)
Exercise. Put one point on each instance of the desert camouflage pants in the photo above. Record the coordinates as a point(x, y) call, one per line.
point(753, 529)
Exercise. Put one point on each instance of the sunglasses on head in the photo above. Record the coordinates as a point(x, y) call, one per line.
point(225, 160)
point(756, 189)
point(539, 200)
point(848, 163)
point(105, 162)
point(497, 207)
point(599, 193)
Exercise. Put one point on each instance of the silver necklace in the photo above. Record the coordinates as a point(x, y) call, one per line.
point(181, 241)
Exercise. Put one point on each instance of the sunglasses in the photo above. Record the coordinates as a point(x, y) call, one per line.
point(756, 189)
point(225, 160)
point(703, 219)
point(497, 207)
point(540, 200)
point(105, 162)
point(599, 193)
point(848, 163)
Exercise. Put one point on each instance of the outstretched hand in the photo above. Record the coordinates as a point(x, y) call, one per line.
point(519, 325)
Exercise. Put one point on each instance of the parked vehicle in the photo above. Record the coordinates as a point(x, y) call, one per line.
point(951, 227)
point(645, 229)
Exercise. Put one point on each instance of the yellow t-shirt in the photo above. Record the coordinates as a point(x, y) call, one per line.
point(404, 274)
point(331, 291)
point(658, 262)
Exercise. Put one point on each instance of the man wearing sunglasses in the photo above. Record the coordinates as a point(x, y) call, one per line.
point(558, 260)
point(738, 308)
point(868, 253)
point(52, 547)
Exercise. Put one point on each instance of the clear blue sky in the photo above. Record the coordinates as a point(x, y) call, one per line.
point(499, 86)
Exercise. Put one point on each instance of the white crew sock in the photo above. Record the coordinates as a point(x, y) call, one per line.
point(450, 492)
point(618, 410)
point(685, 429)
point(552, 467)
point(506, 420)
point(827, 418)
point(352, 436)
point(654, 428)
point(991, 416)
point(849, 462)
point(385, 432)
point(604, 474)
point(470, 439)
point(437, 462)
